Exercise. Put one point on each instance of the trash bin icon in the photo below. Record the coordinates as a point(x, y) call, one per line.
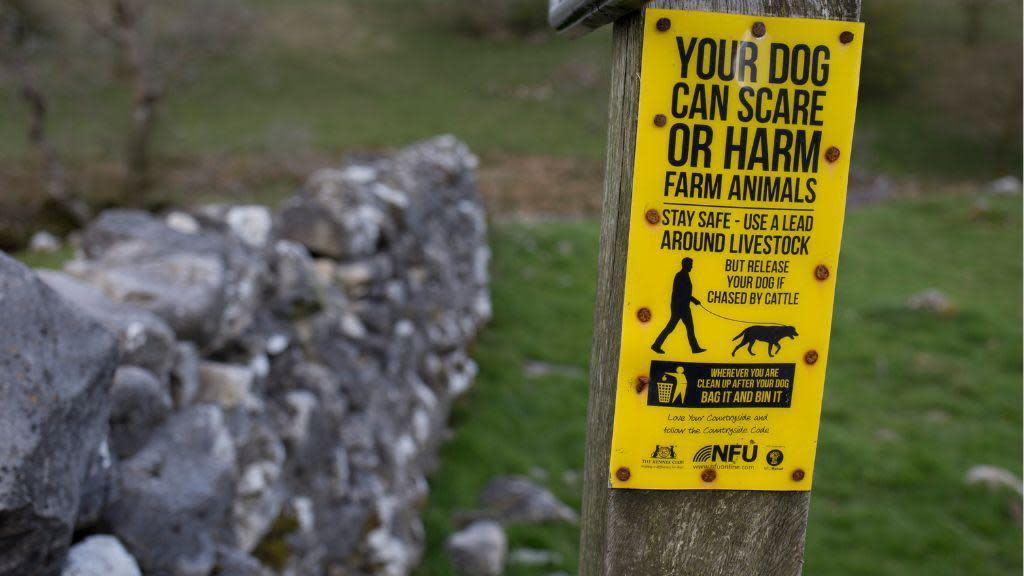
point(665, 388)
point(669, 383)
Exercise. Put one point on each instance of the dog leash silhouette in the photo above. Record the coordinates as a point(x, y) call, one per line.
point(709, 311)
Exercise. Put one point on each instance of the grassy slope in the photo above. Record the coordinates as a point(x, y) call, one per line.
point(332, 76)
point(407, 77)
point(352, 75)
point(912, 400)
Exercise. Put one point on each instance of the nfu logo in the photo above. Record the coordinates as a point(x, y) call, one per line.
point(726, 453)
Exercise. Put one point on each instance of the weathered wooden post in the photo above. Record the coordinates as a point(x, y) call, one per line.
point(728, 147)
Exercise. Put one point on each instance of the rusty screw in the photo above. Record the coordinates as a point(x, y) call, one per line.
point(623, 474)
point(811, 356)
point(660, 120)
point(641, 384)
point(832, 154)
point(663, 24)
point(798, 475)
point(846, 37)
point(652, 216)
point(708, 475)
point(644, 315)
point(759, 29)
point(821, 272)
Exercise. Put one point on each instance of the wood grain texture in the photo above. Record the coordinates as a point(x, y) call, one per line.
point(611, 269)
point(670, 533)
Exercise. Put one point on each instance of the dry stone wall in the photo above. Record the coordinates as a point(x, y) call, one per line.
point(235, 390)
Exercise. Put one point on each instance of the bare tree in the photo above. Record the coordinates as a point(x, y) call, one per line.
point(155, 44)
point(23, 29)
point(974, 15)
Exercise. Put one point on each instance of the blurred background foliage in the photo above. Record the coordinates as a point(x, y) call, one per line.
point(151, 102)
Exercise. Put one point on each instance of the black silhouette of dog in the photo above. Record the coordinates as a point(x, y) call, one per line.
point(769, 334)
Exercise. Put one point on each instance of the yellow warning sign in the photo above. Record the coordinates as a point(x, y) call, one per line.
point(739, 190)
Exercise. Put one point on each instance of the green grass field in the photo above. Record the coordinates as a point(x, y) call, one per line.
point(912, 400)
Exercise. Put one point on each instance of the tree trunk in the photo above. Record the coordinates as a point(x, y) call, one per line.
point(21, 28)
point(138, 177)
point(974, 14)
point(60, 200)
point(127, 37)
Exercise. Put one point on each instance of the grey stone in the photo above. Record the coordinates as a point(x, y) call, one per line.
point(44, 242)
point(227, 385)
point(534, 369)
point(185, 374)
point(1006, 186)
point(206, 286)
point(478, 549)
point(182, 222)
point(296, 288)
point(276, 344)
point(338, 215)
point(234, 562)
point(143, 338)
point(184, 289)
point(516, 499)
point(55, 371)
point(176, 494)
point(392, 553)
point(994, 477)
point(534, 557)
point(358, 277)
point(139, 403)
point(301, 405)
point(259, 493)
point(934, 301)
point(100, 555)
point(100, 487)
point(250, 223)
point(325, 270)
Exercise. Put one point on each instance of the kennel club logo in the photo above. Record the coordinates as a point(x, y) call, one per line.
point(664, 452)
point(662, 456)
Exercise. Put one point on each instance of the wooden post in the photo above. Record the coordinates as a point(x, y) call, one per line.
point(648, 532)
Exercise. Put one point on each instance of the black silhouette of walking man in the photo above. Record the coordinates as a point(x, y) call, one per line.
point(682, 296)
